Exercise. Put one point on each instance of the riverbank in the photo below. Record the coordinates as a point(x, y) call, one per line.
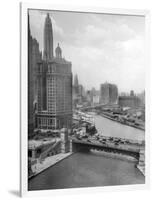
point(126, 124)
point(114, 155)
point(141, 169)
point(48, 162)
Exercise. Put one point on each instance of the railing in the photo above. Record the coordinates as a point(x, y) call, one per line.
point(44, 154)
point(128, 147)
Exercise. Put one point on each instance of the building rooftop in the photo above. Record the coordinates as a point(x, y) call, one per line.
point(33, 144)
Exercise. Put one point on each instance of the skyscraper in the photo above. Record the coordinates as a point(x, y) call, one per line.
point(54, 86)
point(76, 84)
point(108, 93)
point(34, 56)
point(48, 39)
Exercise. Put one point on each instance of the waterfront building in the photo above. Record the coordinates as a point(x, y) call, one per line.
point(129, 101)
point(141, 96)
point(34, 56)
point(54, 77)
point(108, 93)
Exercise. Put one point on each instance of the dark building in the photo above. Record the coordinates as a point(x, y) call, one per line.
point(76, 85)
point(34, 56)
point(129, 101)
point(54, 86)
point(108, 93)
point(78, 92)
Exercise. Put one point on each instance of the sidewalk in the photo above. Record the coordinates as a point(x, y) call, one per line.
point(48, 162)
point(142, 169)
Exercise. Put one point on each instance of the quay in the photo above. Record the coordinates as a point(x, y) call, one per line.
point(46, 152)
point(124, 123)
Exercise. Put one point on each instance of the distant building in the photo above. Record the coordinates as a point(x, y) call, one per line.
point(34, 56)
point(141, 96)
point(129, 101)
point(76, 85)
point(132, 93)
point(108, 93)
point(95, 99)
point(54, 77)
point(89, 96)
point(78, 92)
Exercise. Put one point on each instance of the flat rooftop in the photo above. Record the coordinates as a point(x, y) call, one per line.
point(33, 144)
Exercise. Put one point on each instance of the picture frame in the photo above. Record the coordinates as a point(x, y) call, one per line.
point(24, 95)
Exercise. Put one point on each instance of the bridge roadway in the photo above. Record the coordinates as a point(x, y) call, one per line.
point(110, 145)
point(98, 106)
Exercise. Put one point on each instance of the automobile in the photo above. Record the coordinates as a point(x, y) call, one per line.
point(79, 138)
point(45, 139)
point(84, 136)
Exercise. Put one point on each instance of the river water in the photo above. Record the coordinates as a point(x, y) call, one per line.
point(108, 127)
point(84, 169)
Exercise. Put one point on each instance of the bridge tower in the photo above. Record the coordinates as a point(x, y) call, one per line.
point(65, 143)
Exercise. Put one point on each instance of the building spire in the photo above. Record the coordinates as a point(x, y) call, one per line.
point(76, 82)
point(58, 51)
point(48, 39)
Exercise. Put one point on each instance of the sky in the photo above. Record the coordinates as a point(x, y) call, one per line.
point(101, 47)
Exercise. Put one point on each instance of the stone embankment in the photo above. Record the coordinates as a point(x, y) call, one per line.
point(114, 155)
point(42, 165)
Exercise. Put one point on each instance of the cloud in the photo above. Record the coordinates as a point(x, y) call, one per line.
point(100, 47)
point(98, 33)
point(57, 29)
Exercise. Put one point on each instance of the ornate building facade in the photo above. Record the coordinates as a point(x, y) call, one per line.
point(54, 76)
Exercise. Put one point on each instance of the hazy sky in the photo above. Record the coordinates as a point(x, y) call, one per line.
point(101, 47)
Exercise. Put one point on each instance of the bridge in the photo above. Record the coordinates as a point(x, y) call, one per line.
point(99, 106)
point(87, 144)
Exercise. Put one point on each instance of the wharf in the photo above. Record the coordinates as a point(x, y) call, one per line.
point(126, 124)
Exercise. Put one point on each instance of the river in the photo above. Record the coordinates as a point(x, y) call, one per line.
point(86, 169)
point(108, 127)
